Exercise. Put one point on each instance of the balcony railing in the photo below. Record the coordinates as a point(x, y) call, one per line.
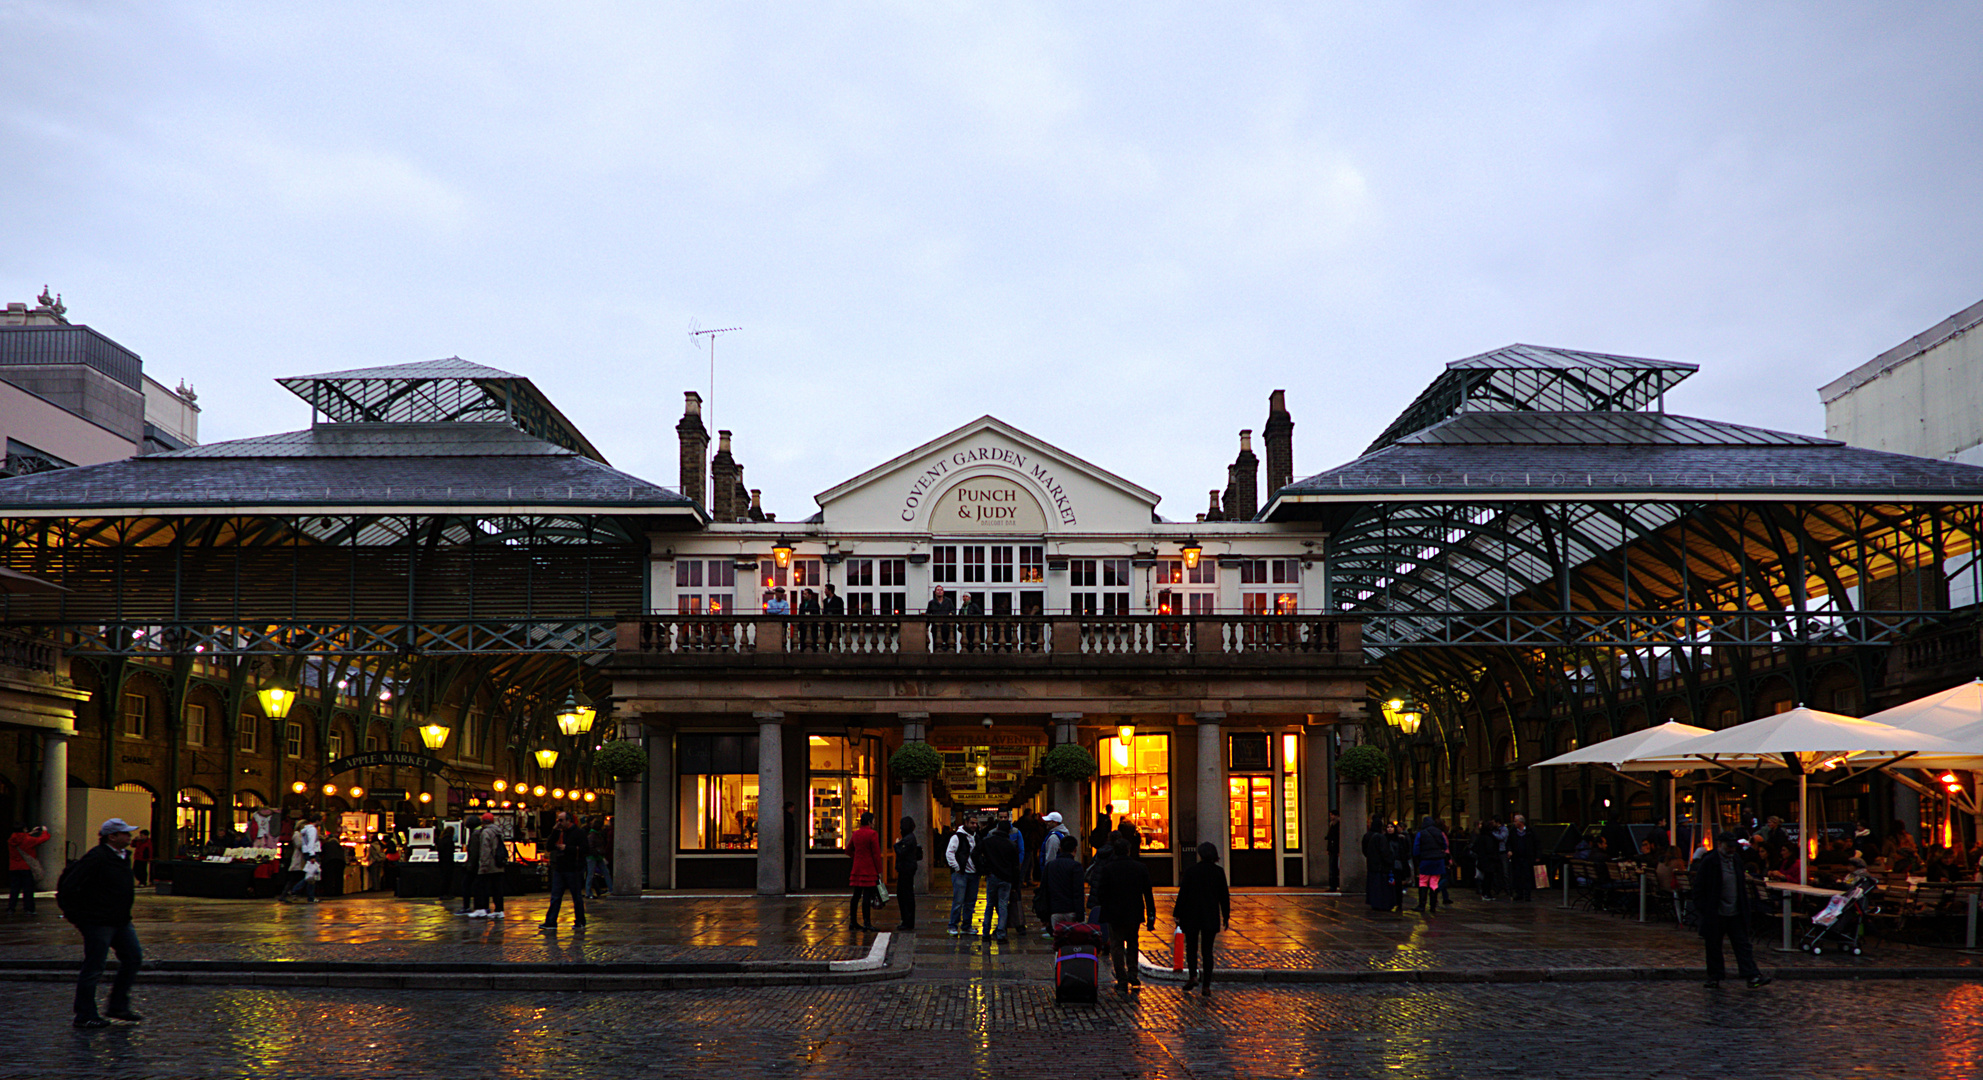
point(29, 653)
point(1959, 645)
point(1085, 636)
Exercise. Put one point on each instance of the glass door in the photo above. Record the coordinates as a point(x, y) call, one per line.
point(1001, 579)
point(1250, 817)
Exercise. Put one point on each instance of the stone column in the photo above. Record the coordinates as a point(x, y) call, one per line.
point(1067, 793)
point(1352, 801)
point(916, 802)
point(55, 805)
point(770, 803)
point(1315, 798)
point(1212, 823)
point(658, 804)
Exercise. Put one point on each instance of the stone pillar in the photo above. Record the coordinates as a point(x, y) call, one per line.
point(1315, 798)
point(657, 804)
point(1212, 823)
point(916, 802)
point(770, 803)
point(55, 805)
point(1067, 799)
point(1352, 801)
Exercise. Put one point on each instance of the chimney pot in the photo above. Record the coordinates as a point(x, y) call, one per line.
point(1246, 440)
point(693, 401)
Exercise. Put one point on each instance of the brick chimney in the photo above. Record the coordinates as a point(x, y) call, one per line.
point(695, 451)
point(1212, 512)
point(1279, 437)
point(723, 481)
point(740, 496)
point(1243, 481)
point(757, 505)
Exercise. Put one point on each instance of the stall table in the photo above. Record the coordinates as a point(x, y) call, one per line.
point(223, 881)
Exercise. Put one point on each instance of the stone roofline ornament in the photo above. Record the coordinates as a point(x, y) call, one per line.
point(51, 304)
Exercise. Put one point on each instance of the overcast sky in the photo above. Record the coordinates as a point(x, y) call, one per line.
point(1114, 226)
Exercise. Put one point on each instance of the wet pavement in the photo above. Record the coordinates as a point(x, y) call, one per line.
point(988, 1028)
point(976, 1008)
point(1275, 930)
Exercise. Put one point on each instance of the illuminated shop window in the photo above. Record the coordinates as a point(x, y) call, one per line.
point(1136, 780)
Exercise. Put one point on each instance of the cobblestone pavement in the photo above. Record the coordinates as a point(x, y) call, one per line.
point(974, 1007)
point(970, 1028)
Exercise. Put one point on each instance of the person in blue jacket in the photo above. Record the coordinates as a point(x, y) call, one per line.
point(1430, 851)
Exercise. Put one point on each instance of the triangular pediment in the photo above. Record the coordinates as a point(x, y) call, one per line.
point(988, 477)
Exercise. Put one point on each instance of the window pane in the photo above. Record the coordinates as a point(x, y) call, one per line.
point(1137, 784)
point(1291, 791)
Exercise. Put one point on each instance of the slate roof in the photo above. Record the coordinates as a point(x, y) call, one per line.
point(342, 466)
point(1532, 454)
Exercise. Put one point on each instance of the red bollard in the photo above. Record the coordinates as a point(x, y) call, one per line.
point(1177, 949)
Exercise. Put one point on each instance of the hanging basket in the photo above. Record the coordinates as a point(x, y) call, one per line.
point(1068, 762)
point(1362, 764)
point(915, 761)
point(624, 760)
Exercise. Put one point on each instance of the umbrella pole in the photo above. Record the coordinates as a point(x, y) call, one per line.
point(1803, 827)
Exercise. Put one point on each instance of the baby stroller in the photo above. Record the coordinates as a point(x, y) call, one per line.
point(1842, 924)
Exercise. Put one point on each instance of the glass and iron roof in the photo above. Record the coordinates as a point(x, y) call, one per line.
point(431, 391)
point(1527, 378)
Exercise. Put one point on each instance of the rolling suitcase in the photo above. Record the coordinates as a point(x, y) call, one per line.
point(1077, 970)
point(1075, 974)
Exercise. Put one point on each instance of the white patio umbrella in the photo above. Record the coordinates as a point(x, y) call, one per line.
point(1658, 741)
point(1806, 739)
point(1955, 714)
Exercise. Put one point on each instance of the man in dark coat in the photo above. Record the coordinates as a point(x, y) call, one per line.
point(1123, 892)
point(1203, 908)
point(1033, 831)
point(1065, 885)
point(1721, 896)
point(1521, 858)
point(95, 896)
point(444, 849)
point(997, 860)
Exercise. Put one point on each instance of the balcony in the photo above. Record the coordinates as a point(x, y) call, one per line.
point(1284, 642)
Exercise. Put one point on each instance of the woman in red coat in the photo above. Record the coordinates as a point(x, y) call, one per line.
point(865, 847)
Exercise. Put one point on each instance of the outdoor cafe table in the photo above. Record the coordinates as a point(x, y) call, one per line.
point(1787, 888)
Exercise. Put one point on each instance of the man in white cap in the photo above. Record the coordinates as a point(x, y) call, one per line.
point(1056, 834)
point(95, 895)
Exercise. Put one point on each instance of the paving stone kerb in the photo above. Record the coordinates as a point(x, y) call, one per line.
point(890, 957)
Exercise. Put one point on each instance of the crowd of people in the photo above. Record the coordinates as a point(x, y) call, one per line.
point(1399, 859)
point(997, 857)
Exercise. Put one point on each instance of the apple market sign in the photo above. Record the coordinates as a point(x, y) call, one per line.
point(990, 503)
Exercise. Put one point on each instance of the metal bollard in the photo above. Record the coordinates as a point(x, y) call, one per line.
point(1642, 896)
point(1969, 937)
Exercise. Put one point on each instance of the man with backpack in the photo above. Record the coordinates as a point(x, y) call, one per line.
point(95, 895)
point(957, 854)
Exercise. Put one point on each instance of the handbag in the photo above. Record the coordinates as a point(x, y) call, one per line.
point(1541, 876)
point(881, 891)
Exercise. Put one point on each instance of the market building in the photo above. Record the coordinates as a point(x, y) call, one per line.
point(1002, 595)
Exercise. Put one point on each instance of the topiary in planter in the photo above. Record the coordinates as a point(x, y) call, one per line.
point(1068, 762)
point(624, 760)
point(915, 761)
point(1362, 764)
